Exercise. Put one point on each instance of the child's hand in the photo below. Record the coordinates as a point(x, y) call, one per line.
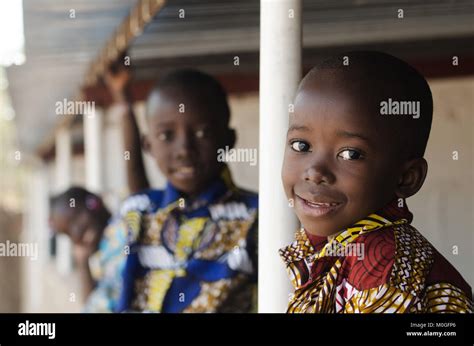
point(81, 255)
point(86, 247)
point(118, 81)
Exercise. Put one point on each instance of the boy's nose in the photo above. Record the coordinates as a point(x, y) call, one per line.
point(184, 146)
point(318, 174)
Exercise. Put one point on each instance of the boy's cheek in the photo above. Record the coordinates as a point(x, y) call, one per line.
point(288, 183)
point(292, 169)
point(210, 151)
point(362, 199)
point(162, 159)
point(161, 150)
point(285, 174)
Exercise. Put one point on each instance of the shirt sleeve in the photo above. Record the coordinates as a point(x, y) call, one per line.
point(106, 266)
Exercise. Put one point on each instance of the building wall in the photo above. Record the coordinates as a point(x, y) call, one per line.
point(245, 120)
point(10, 227)
point(444, 209)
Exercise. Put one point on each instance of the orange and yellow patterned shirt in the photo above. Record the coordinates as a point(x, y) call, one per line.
point(381, 264)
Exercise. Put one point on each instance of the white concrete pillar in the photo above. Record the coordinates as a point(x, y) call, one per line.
point(280, 73)
point(93, 150)
point(63, 159)
point(35, 233)
point(114, 169)
point(62, 182)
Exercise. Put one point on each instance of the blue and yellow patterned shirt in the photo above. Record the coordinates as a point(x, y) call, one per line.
point(106, 266)
point(191, 256)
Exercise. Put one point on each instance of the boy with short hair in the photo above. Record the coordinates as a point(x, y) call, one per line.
point(349, 165)
point(193, 244)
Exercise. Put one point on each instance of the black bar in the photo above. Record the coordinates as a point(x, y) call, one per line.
point(137, 329)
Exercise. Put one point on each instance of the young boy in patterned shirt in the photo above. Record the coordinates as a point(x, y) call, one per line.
point(354, 153)
point(192, 246)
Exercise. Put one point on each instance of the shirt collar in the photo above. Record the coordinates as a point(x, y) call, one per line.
point(309, 247)
point(215, 190)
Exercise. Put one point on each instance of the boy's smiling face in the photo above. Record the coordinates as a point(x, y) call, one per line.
point(341, 162)
point(184, 144)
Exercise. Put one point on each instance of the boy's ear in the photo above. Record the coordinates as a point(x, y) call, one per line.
point(231, 138)
point(145, 142)
point(412, 178)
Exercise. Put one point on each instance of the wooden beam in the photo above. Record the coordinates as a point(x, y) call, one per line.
point(131, 27)
point(443, 68)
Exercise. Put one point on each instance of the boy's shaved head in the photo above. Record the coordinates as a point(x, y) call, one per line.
point(192, 86)
point(372, 78)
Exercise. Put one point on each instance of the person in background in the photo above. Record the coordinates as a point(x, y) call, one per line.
point(98, 238)
point(83, 217)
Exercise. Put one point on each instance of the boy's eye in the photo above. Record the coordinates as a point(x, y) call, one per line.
point(350, 154)
point(200, 133)
point(300, 146)
point(164, 136)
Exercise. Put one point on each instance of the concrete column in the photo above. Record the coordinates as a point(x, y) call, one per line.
point(35, 233)
point(62, 182)
point(114, 169)
point(93, 150)
point(280, 73)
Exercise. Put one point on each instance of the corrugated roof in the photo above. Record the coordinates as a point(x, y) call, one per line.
point(59, 49)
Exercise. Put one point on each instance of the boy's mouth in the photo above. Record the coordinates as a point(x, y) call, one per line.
point(317, 208)
point(184, 172)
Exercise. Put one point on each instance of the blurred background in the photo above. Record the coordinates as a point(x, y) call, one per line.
point(52, 51)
